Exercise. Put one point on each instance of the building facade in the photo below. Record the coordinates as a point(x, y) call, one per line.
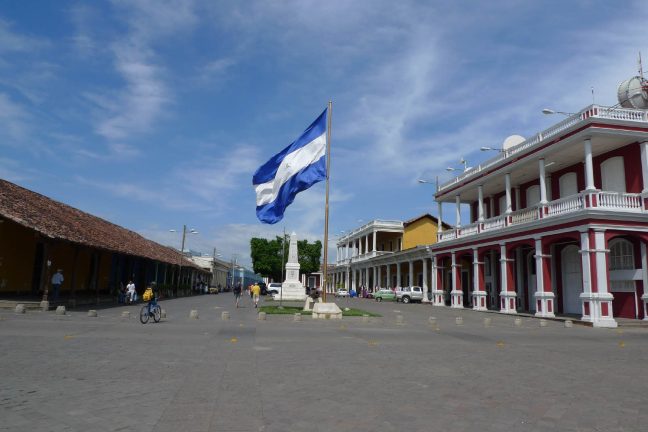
point(383, 253)
point(558, 225)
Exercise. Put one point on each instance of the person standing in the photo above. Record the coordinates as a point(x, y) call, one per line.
point(57, 281)
point(237, 293)
point(130, 289)
point(256, 291)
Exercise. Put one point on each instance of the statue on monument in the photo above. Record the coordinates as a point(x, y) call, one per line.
point(292, 288)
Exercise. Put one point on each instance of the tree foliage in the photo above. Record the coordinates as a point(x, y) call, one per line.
point(267, 260)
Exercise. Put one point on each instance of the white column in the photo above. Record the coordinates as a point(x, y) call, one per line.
point(376, 272)
point(456, 294)
point(439, 220)
point(544, 300)
point(543, 185)
point(375, 247)
point(366, 249)
point(507, 183)
point(480, 203)
point(644, 273)
point(644, 172)
point(479, 295)
point(437, 293)
point(410, 273)
point(589, 166)
point(389, 282)
point(458, 203)
point(516, 191)
point(398, 274)
point(507, 297)
point(425, 280)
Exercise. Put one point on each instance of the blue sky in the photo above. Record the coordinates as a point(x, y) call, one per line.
point(154, 114)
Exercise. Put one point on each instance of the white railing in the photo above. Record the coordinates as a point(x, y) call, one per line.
point(619, 200)
point(595, 111)
point(565, 205)
point(494, 223)
point(448, 235)
point(601, 200)
point(468, 230)
point(524, 216)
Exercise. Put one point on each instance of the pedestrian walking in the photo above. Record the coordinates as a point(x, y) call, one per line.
point(237, 293)
point(256, 292)
point(57, 281)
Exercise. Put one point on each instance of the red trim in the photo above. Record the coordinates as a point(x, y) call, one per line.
point(446, 249)
point(536, 150)
point(592, 256)
point(586, 308)
point(604, 309)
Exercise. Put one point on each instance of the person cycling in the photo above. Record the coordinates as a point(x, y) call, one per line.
point(150, 295)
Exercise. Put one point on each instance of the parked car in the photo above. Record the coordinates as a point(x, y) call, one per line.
point(385, 294)
point(410, 294)
point(341, 293)
point(274, 288)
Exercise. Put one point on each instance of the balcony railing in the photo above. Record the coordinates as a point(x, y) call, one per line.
point(592, 111)
point(593, 201)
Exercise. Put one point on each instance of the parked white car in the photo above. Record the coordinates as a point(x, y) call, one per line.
point(274, 288)
point(409, 294)
point(341, 293)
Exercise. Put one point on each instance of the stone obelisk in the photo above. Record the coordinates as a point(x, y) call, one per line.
point(292, 288)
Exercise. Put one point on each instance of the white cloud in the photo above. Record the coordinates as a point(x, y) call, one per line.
point(13, 118)
point(11, 41)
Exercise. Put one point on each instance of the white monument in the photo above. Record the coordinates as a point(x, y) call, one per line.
point(292, 288)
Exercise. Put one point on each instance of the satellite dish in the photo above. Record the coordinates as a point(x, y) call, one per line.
point(633, 93)
point(512, 141)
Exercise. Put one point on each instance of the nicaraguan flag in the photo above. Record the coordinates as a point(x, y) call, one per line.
point(294, 169)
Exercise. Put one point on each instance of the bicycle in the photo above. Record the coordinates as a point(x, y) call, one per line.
point(152, 309)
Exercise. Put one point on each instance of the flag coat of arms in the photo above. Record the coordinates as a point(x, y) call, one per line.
point(292, 170)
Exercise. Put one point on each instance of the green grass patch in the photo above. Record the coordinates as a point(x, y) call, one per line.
point(291, 310)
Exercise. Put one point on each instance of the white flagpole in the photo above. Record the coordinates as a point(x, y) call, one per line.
point(326, 212)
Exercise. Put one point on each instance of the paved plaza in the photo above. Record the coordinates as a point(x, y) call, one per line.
point(109, 373)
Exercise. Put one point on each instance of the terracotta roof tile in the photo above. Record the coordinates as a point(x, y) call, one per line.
point(60, 221)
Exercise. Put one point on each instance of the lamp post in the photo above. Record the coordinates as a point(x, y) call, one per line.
point(184, 236)
point(548, 111)
point(436, 183)
point(497, 149)
point(462, 161)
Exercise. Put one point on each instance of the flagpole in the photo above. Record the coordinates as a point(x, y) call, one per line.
point(326, 206)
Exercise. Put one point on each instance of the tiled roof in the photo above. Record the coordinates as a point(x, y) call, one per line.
point(426, 215)
point(59, 221)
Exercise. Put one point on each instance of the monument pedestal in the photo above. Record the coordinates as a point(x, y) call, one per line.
point(292, 288)
point(326, 311)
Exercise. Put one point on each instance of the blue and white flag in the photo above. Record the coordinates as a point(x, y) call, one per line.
point(294, 169)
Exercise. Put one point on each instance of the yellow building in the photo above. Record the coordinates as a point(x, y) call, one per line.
point(376, 254)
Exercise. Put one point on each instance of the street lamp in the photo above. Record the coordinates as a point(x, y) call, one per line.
point(464, 162)
point(501, 150)
point(184, 235)
point(548, 111)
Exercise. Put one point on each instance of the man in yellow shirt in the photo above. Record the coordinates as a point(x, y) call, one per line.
point(256, 291)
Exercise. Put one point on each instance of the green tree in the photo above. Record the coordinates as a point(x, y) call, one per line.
point(267, 260)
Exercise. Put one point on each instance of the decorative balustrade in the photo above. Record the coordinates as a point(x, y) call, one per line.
point(494, 223)
point(595, 111)
point(601, 200)
point(468, 230)
point(565, 205)
point(619, 201)
point(524, 216)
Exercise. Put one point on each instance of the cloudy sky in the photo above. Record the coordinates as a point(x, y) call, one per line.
point(154, 114)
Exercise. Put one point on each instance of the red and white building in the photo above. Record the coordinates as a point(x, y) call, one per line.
point(559, 224)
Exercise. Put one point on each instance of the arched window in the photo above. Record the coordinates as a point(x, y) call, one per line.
point(613, 175)
point(568, 185)
point(532, 196)
point(621, 255)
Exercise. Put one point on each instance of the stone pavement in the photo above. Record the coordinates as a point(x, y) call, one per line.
point(77, 373)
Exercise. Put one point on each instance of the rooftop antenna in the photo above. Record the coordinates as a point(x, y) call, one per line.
point(640, 67)
point(593, 102)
